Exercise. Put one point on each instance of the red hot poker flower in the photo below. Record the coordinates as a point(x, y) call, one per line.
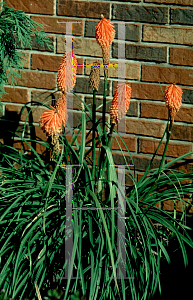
point(52, 120)
point(173, 98)
point(67, 67)
point(120, 103)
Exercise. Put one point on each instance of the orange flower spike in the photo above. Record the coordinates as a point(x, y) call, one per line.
point(104, 32)
point(173, 98)
point(64, 80)
point(52, 120)
point(121, 102)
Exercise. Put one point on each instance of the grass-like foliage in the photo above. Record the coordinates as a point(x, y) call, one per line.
point(35, 230)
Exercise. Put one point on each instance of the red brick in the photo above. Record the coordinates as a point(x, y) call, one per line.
point(88, 140)
point(129, 141)
point(17, 145)
point(51, 63)
point(16, 95)
point(179, 205)
point(142, 127)
point(36, 80)
point(168, 205)
point(181, 165)
point(173, 150)
point(159, 111)
point(182, 132)
point(53, 26)
point(145, 91)
point(168, 34)
point(178, 2)
point(83, 9)
point(140, 175)
point(50, 98)
point(33, 6)
point(181, 56)
point(40, 135)
point(25, 60)
point(141, 162)
point(165, 74)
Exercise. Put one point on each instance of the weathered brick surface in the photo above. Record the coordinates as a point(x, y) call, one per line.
point(51, 99)
point(163, 34)
point(140, 52)
point(173, 150)
point(88, 47)
point(165, 74)
point(53, 25)
point(158, 111)
point(151, 91)
point(44, 97)
point(177, 2)
point(132, 31)
point(140, 162)
point(88, 139)
point(179, 205)
point(82, 86)
point(51, 63)
point(133, 109)
point(36, 80)
point(145, 91)
point(89, 124)
point(182, 132)
point(132, 70)
point(35, 7)
point(17, 145)
point(17, 95)
point(147, 128)
point(139, 13)
point(181, 165)
point(181, 56)
point(129, 141)
point(99, 101)
point(83, 9)
point(182, 16)
point(26, 60)
point(39, 135)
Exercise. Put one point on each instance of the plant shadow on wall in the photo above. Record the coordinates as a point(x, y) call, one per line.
point(40, 219)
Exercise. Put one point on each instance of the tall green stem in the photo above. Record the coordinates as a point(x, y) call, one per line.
point(104, 137)
point(163, 157)
point(104, 106)
point(94, 130)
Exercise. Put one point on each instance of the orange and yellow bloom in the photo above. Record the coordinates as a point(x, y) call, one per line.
point(104, 34)
point(173, 98)
point(67, 67)
point(120, 103)
point(52, 119)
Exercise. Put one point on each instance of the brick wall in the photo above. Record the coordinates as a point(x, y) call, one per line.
point(158, 49)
